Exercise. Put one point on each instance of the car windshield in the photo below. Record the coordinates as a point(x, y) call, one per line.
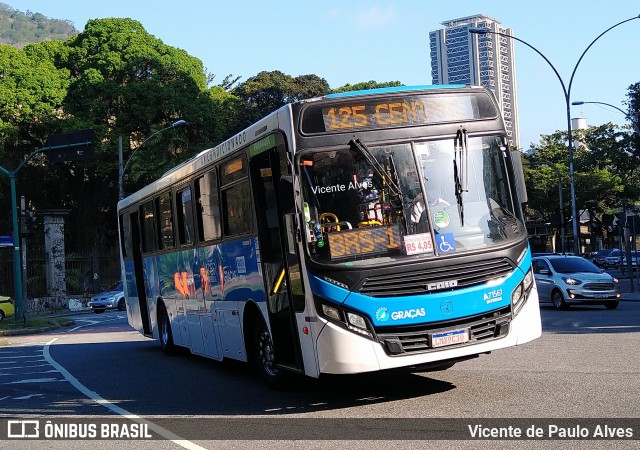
point(115, 287)
point(368, 201)
point(574, 265)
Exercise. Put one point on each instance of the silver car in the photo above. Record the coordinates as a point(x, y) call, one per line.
point(572, 280)
point(112, 298)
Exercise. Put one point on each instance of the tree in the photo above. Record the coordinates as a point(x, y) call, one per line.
point(366, 85)
point(633, 103)
point(268, 91)
point(119, 80)
point(605, 172)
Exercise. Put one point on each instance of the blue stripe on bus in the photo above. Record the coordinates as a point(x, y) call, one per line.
point(387, 90)
point(420, 309)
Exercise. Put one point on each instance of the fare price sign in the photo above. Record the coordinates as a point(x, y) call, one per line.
point(418, 243)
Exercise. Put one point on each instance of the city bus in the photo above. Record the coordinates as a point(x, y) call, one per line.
point(356, 232)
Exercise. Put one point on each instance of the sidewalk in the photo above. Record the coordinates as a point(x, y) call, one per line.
point(625, 289)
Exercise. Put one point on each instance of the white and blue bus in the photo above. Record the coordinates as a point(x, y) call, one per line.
point(356, 232)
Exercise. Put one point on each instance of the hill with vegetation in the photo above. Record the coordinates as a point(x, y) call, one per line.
point(19, 29)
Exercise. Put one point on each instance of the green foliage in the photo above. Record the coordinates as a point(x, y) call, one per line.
point(31, 92)
point(605, 172)
point(19, 29)
point(268, 91)
point(366, 85)
point(633, 103)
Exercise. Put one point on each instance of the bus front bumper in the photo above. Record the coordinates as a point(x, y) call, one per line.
point(343, 352)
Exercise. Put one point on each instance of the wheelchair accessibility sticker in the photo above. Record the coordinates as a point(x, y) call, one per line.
point(446, 243)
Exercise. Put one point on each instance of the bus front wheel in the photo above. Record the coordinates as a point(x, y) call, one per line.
point(263, 356)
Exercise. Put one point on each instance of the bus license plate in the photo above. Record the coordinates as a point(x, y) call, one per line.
point(449, 338)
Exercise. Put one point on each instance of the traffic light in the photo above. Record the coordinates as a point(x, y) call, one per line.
point(28, 220)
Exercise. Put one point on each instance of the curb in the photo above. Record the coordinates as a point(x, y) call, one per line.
point(26, 331)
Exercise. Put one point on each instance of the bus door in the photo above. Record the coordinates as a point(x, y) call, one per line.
point(280, 267)
point(138, 272)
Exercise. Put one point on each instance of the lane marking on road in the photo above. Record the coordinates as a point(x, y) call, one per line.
point(27, 397)
point(115, 408)
point(36, 380)
point(614, 327)
point(88, 324)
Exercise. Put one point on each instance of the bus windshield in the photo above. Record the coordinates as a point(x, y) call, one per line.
point(415, 199)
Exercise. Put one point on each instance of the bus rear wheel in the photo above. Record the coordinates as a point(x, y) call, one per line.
point(263, 356)
point(164, 331)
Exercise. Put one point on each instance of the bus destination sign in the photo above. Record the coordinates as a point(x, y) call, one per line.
point(397, 111)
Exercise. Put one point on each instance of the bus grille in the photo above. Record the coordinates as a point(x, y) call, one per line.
point(412, 340)
point(415, 282)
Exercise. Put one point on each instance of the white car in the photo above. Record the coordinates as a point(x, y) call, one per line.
point(572, 280)
point(112, 298)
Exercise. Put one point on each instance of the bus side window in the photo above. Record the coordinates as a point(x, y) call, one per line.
point(208, 207)
point(125, 235)
point(149, 241)
point(236, 202)
point(185, 221)
point(165, 221)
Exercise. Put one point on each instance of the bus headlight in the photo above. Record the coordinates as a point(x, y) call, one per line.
point(521, 292)
point(331, 312)
point(356, 320)
point(352, 321)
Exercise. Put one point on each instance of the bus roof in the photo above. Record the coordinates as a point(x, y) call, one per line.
point(386, 90)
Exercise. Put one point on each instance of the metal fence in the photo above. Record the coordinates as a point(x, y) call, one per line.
point(85, 274)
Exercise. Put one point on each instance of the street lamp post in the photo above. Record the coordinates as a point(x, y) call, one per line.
point(567, 96)
point(122, 168)
point(634, 124)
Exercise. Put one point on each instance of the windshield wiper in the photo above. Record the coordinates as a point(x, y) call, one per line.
point(380, 171)
point(460, 144)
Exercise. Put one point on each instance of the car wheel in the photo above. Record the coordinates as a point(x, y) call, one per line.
point(263, 356)
point(164, 332)
point(611, 304)
point(122, 306)
point(1, 315)
point(557, 300)
point(99, 310)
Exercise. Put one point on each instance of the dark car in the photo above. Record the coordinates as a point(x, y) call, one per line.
point(572, 280)
point(613, 259)
point(600, 256)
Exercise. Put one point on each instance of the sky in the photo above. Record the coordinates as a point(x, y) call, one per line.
point(360, 40)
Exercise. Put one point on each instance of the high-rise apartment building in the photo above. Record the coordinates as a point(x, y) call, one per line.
point(460, 57)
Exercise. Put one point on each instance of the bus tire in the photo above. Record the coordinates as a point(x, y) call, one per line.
point(164, 331)
point(263, 357)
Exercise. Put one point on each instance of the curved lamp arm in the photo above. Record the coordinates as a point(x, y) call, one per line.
point(635, 126)
point(177, 123)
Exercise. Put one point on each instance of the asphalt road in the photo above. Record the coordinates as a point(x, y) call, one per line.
point(586, 366)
